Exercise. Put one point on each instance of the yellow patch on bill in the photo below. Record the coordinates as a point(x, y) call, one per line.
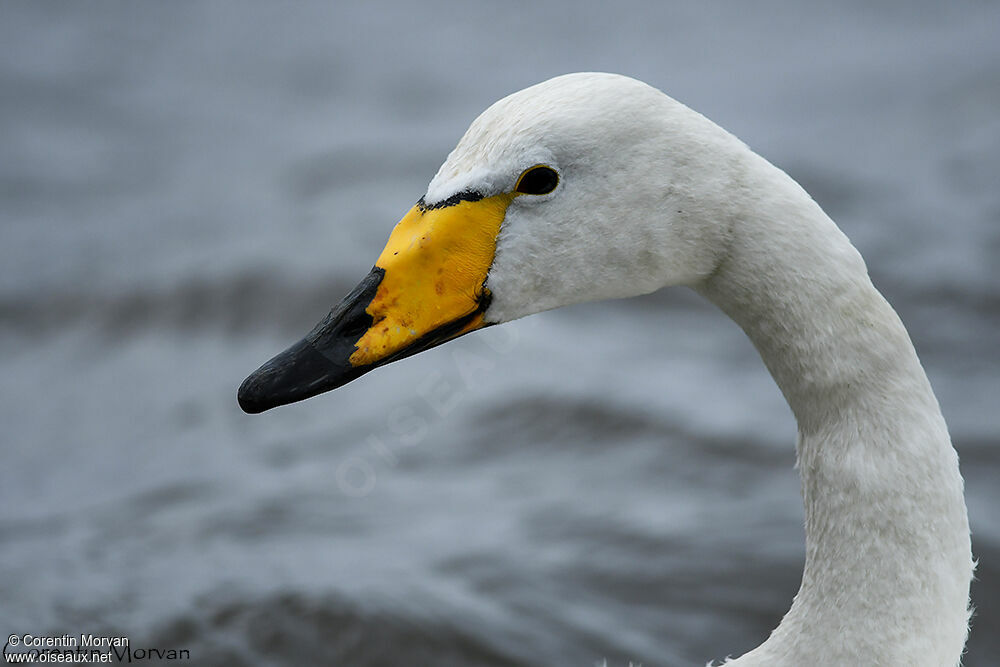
point(435, 263)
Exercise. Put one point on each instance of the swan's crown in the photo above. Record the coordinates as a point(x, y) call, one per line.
point(534, 125)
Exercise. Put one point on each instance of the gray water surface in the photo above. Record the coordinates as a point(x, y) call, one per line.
point(187, 188)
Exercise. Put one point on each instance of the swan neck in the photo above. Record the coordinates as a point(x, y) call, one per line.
point(888, 556)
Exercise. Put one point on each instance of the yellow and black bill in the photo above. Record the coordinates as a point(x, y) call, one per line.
point(427, 287)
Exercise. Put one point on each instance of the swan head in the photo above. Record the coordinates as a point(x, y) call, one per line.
point(584, 187)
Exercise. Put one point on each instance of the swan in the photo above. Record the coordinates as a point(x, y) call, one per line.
point(594, 186)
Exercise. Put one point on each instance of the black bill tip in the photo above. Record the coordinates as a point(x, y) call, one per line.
point(298, 373)
point(320, 361)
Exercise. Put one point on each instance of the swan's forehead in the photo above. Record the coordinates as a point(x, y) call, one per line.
point(538, 125)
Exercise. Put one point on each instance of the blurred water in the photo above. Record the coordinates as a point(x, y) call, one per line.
point(186, 188)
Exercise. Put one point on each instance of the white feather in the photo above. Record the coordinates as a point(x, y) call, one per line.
point(653, 194)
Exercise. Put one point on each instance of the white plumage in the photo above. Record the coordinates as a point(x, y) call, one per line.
point(652, 194)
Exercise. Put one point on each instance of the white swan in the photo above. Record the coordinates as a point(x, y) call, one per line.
point(592, 186)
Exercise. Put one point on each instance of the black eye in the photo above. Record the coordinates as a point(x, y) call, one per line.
point(540, 180)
